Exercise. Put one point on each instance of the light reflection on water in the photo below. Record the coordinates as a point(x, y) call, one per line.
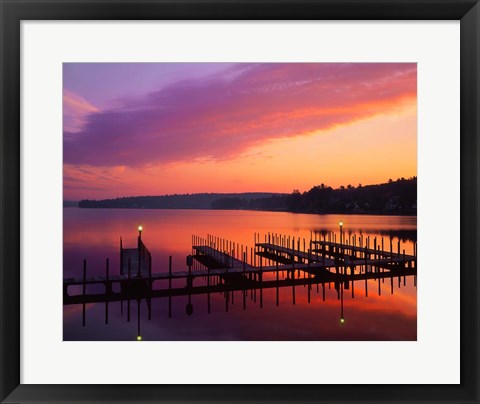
point(94, 234)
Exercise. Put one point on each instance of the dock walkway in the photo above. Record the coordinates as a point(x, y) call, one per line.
point(323, 262)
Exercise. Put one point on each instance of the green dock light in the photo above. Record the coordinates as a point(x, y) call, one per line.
point(139, 337)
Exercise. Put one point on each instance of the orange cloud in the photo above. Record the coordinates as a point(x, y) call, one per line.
point(75, 111)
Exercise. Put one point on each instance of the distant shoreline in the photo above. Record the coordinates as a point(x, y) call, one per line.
point(397, 197)
point(382, 213)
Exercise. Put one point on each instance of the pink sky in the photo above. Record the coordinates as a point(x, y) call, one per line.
point(163, 128)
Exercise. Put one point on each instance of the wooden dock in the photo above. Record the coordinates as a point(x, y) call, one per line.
point(324, 260)
point(218, 265)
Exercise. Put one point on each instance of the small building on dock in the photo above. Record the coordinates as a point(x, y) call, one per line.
point(135, 261)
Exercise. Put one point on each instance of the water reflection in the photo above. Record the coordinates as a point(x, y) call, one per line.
point(248, 296)
point(279, 306)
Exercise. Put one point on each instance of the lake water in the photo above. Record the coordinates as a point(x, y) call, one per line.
point(94, 235)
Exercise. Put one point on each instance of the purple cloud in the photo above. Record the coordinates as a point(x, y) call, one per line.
point(220, 117)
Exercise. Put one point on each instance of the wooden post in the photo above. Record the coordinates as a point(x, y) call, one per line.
point(139, 255)
point(391, 251)
point(293, 287)
point(261, 288)
point(138, 318)
point(341, 299)
point(309, 288)
point(170, 286)
point(352, 272)
point(128, 289)
point(277, 284)
point(84, 289)
point(121, 254)
point(208, 289)
point(107, 289)
point(380, 268)
point(190, 280)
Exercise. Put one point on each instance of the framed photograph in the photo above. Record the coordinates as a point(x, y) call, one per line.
point(215, 201)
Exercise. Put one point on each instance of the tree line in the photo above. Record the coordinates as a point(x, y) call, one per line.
point(392, 197)
point(399, 197)
point(174, 201)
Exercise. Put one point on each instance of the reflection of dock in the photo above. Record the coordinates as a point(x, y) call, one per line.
point(228, 285)
point(220, 266)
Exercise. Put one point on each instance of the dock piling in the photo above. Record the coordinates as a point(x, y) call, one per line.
point(170, 286)
point(107, 289)
point(128, 290)
point(84, 290)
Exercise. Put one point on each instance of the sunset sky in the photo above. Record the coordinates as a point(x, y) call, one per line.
point(163, 128)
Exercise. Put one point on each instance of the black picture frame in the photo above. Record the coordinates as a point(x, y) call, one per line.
point(14, 11)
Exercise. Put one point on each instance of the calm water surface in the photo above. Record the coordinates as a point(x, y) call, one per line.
point(94, 234)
